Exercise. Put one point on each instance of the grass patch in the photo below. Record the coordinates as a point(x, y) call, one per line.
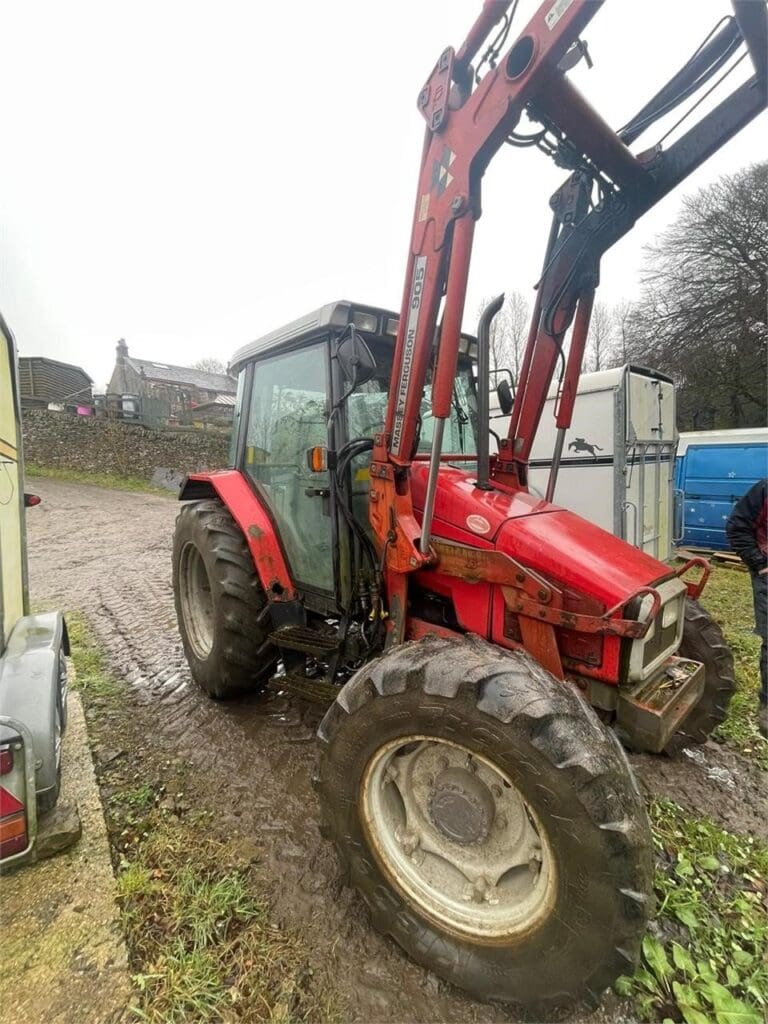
point(728, 599)
point(92, 678)
point(139, 798)
point(116, 481)
point(201, 941)
point(706, 964)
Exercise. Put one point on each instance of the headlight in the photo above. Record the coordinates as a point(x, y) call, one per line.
point(670, 613)
point(365, 321)
point(644, 611)
point(664, 634)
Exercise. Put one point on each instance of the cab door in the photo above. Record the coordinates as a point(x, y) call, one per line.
point(287, 415)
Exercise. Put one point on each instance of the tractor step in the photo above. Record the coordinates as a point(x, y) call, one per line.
point(651, 712)
point(304, 639)
point(319, 691)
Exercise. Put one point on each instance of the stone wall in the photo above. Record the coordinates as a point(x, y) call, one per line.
point(109, 446)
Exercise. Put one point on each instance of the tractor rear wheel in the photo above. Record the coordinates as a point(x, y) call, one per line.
point(219, 598)
point(490, 821)
point(703, 641)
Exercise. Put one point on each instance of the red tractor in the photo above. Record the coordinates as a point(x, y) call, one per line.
point(481, 649)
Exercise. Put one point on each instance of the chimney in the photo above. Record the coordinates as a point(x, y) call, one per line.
point(122, 351)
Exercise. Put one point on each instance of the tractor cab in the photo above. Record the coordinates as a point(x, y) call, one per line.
point(305, 398)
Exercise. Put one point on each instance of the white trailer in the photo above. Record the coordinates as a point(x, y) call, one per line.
point(617, 468)
point(33, 670)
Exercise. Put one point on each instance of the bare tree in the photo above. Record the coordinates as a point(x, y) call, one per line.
point(623, 314)
point(702, 315)
point(210, 365)
point(601, 337)
point(519, 313)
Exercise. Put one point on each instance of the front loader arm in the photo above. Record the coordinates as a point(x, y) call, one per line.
point(465, 129)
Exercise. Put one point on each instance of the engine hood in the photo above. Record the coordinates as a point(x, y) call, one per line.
point(562, 546)
point(465, 508)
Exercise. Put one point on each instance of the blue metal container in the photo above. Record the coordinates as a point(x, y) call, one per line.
point(712, 471)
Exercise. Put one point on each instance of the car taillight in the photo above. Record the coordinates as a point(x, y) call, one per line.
point(6, 760)
point(13, 834)
point(13, 824)
point(31, 499)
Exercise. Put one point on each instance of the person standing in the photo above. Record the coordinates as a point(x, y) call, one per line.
point(747, 530)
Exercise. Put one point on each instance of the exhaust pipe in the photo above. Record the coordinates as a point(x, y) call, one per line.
point(484, 389)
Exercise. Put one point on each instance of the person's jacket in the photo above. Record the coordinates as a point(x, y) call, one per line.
point(747, 526)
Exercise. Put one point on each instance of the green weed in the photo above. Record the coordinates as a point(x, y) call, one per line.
point(91, 675)
point(708, 963)
point(139, 798)
point(134, 882)
point(186, 986)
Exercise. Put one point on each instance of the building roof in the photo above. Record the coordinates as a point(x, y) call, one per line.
point(51, 380)
point(222, 407)
point(165, 373)
point(220, 400)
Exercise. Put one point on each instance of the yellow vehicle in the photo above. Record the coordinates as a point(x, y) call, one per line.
point(33, 648)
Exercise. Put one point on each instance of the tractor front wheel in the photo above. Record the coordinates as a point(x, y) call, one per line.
point(219, 599)
point(490, 821)
point(703, 641)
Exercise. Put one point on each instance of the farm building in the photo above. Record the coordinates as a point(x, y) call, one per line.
point(151, 390)
point(44, 382)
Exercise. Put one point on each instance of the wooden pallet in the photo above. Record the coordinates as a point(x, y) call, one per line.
point(719, 557)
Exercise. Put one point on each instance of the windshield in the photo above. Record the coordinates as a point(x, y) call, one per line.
point(366, 407)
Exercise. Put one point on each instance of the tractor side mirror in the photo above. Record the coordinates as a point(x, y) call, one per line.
point(356, 359)
point(505, 396)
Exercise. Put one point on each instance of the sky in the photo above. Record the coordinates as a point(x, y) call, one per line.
point(189, 175)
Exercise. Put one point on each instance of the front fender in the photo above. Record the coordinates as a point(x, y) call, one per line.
point(30, 677)
point(231, 487)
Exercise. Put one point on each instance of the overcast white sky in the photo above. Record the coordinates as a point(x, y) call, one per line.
point(191, 175)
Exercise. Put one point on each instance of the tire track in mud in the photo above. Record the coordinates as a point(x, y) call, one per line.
point(107, 553)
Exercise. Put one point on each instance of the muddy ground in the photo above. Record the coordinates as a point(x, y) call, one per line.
point(107, 553)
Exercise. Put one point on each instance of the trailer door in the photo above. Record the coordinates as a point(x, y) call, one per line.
point(650, 442)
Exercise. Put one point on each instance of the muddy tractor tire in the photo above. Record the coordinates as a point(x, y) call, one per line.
point(490, 821)
point(703, 641)
point(219, 599)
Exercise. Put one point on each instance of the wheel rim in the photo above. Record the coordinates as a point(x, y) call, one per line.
point(455, 835)
point(196, 601)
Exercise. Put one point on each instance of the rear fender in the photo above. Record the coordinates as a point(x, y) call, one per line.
point(234, 491)
point(30, 680)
